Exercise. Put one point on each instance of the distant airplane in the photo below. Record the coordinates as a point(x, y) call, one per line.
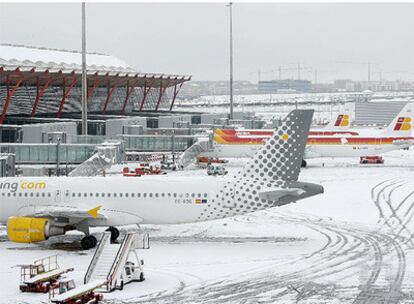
point(36, 208)
point(396, 136)
point(339, 125)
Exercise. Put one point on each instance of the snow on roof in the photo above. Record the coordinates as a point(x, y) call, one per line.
point(36, 57)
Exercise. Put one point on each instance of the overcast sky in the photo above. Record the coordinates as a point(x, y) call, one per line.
point(335, 39)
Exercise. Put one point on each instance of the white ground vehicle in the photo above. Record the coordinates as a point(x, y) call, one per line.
point(216, 170)
point(132, 273)
point(168, 164)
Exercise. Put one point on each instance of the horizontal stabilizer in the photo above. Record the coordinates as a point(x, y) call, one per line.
point(277, 194)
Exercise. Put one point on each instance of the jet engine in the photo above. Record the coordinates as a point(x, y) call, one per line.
point(31, 229)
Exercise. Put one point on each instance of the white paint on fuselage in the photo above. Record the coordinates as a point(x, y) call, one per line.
point(125, 200)
point(311, 151)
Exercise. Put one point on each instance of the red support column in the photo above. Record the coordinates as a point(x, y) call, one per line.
point(146, 91)
point(175, 94)
point(10, 94)
point(108, 96)
point(93, 88)
point(40, 94)
point(65, 95)
point(162, 91)
point(129, 92)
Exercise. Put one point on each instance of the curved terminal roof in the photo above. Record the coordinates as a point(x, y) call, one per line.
point(17, 61)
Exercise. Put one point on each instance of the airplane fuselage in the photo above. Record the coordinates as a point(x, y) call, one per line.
point(159, 199)
point(124, 200)
point(323, 146)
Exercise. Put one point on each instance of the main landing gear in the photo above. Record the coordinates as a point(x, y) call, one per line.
point(114, 233)
point(304, 163)
point(89, 242)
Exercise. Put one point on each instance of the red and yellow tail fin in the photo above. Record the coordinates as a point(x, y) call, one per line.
point(342, 122)
point(401, 125)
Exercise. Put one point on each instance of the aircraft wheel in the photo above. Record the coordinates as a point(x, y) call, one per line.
point(88, 242)
point(141, 277)
point(304, 163)
point(114, 233)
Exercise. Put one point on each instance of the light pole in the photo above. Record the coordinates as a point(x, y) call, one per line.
point(230, 5)
point(84, 81)
point(58, 156)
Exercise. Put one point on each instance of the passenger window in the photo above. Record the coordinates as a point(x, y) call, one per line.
point(120, 194)
point(103, 194)
point(156, 194)
point(205, 194)
point(114, 194)
point(85, 194)
point(144, 195)
point(126, 194)
point(192, 194)
point(150, 195)
point(109, 194)
point(175, 195)
point(138, 194)
point(162, 194)
point(91, 194)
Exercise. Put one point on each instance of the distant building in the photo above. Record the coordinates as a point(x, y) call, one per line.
point(348, 85)
point(195, 89)
point(284, 85)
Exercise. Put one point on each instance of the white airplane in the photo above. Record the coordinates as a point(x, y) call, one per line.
point(396, 136)
point(339, 125)
point(41, 207)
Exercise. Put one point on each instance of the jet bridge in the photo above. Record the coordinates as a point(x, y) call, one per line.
point(113, 262)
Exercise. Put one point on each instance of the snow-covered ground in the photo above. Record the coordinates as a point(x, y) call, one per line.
point(352, 244)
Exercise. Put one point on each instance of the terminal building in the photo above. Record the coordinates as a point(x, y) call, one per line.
point(40, 104)
point(284, 85)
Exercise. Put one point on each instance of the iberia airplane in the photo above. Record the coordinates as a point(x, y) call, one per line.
point(396, 136)
point(337, 126)
point(37, 208)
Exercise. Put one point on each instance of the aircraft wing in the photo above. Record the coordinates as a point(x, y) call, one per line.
point(281, 193)
point(61, 211)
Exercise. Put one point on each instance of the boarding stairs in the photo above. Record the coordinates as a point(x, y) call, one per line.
point(188, 156)
point(107, 154)
point(109, 259)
